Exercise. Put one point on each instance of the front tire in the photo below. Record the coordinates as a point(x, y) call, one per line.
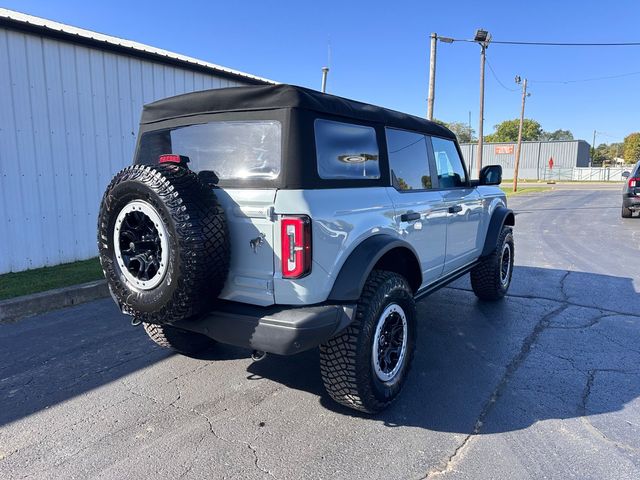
point(182, 341)
point(365, 366)
point(490, 280)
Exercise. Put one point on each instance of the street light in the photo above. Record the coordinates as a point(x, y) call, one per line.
point(483, 38)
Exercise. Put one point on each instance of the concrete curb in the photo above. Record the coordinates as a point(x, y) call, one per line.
point(15, 309)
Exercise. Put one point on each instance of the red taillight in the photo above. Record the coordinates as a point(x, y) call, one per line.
point(634, 182)
point(173, 158)
point(296, 246)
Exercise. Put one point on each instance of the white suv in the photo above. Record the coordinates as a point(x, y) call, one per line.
point(280, 219)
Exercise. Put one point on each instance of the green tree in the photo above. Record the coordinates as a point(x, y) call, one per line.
point(507, 131)
point(605, 154)
point(631, 147)
point(462, 131)
point(556, 135)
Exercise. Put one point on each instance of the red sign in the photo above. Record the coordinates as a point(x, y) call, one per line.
point(504, 149)
point(550, 163)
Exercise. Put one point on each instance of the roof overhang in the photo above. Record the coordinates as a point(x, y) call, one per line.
point(48, 28)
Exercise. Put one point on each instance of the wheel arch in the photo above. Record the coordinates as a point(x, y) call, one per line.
point(382, 252)
point(501, 216)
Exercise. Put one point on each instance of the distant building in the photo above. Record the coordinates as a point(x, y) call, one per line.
point(534, 157)
point(70, 103)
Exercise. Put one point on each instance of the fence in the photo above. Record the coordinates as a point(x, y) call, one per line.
point(579, 174)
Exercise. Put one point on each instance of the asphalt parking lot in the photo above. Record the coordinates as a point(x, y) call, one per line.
point(545, 384)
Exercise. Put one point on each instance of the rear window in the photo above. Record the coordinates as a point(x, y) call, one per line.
point(233, 149)
point(346, 151)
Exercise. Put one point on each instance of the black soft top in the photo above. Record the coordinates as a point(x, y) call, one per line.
point(270, 97)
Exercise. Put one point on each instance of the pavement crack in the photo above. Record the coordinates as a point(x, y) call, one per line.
point(210, 425)
point(565, 296)
point(556, 300)
point(510, 370)
point(584, 413)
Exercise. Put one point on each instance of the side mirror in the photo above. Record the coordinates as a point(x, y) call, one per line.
point(626, 174)
point(491, 175)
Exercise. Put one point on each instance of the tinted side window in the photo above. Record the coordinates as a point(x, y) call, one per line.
point(347, 151)
point(408, 159)
point(450, 170)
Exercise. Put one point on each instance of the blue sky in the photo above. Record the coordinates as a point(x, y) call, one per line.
point(379, 51)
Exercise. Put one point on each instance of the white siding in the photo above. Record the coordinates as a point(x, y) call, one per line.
point(68, 122)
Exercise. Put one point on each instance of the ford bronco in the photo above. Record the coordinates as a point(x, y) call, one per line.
point(281, 219)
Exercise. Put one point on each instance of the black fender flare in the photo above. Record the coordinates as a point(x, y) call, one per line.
point(356, 269)
point(501, 216)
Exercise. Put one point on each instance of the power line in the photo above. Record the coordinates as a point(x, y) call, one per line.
point(608, 77)
point(498, 80)
point(562, 44)
point(550, 44)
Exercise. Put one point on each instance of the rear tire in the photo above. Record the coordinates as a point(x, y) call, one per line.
point(491, 279)
point(182, 341)
point(365, 366)
point(626, 212)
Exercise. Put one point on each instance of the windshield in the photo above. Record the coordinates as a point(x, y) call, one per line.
point(233, 149)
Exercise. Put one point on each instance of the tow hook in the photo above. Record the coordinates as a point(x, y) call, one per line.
point(135, 321)
point(258, 355)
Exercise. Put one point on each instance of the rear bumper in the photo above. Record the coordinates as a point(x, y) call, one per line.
point(279, 329)
point(631, 202)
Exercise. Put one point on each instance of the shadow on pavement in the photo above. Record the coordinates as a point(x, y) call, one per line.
point(470, 352)
point(62, 354)
point(542, 350)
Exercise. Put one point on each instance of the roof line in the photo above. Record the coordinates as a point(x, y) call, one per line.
point(50, 28)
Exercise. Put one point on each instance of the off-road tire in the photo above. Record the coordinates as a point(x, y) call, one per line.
point(626, 212)
point(346, 363)
point(486, 279)
point(197, 239)
point(182, 341)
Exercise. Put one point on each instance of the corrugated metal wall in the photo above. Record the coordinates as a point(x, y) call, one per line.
point(68, 122)
point(534, 158)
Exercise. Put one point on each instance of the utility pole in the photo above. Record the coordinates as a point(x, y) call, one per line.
point(593, 148)
point(483, 38)
point(432, 76)
point(325, 72)
point(519, 147)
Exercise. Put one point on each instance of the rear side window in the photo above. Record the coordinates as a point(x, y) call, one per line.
point(408, 159)
point(450, 170)
point(233, 149)
point(346, 151)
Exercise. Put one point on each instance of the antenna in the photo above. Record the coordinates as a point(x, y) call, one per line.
point(325, 70)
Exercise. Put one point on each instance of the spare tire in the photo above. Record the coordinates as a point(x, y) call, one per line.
point(163, 243)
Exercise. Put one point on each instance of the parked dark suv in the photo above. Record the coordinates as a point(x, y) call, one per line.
point(631, 192)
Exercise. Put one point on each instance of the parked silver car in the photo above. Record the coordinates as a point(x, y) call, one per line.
point(281, 219)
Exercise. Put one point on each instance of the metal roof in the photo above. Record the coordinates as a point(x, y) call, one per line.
point(42, 26)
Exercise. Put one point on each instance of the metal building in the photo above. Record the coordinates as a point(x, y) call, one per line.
point(534, 156)
point(70, 101)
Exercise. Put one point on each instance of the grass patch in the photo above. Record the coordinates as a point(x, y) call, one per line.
point(509, 190)
point(47, 278)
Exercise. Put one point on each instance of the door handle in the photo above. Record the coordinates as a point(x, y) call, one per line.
point(455, 209)
point(409, 217)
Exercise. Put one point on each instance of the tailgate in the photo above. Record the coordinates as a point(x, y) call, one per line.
point(249, 215)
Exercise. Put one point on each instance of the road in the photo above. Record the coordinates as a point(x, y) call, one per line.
point(544, 384)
